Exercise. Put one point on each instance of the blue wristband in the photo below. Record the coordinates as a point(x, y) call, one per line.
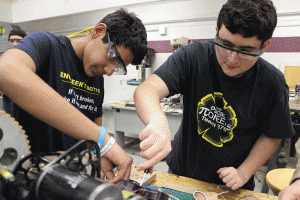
point(101, 137)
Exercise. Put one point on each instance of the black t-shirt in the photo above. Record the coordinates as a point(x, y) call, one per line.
point(223, 116)
point(59, 66)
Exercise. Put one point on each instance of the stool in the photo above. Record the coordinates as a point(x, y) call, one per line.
point(272, 162)
point(280, 178)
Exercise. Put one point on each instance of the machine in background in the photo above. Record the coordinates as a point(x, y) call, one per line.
point(178, 42)
point(144, 69)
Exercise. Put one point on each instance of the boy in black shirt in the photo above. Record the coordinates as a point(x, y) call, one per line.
point(236, 107)
point(58, 85)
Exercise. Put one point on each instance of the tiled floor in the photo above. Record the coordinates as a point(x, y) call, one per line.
point(163, 167)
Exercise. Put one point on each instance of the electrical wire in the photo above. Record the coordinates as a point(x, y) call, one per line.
point(80, 32)
point(142, 191)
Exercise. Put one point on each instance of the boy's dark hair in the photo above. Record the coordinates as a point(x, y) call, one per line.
point(125, 28)
point(17, 32)
point(249, 18)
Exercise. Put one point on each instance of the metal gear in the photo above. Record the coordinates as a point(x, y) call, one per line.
point(14, 143)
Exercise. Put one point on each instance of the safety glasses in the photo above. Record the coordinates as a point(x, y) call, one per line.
point(227, 51)
point(114, 58)
point(14, 40)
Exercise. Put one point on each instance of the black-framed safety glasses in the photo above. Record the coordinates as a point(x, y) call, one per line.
point(114, 57)
point(226, 50)
point(14, 40)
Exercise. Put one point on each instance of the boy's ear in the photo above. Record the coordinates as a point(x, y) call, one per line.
point(266, 45)
point(98, 30)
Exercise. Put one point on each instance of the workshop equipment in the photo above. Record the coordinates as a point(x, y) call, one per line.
point(13, 142)
point(147, 178)
point(147, 193)
point(73, 174)
point(144, 69)
point(178, 42)
point(297, 90)
point(143, 179)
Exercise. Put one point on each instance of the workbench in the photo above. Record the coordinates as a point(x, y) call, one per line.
point(122, 120)
point(189, 185)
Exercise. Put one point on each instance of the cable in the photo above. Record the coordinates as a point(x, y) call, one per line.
point(80, 32)
point(143, 192)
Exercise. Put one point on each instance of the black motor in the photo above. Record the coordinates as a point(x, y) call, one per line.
point(75, 175)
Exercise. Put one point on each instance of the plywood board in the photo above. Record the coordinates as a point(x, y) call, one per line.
point(189, 185)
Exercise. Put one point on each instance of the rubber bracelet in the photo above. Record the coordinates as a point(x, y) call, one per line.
point(107, 146)
point(101, 137)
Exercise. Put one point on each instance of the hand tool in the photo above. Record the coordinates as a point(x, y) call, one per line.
point(144, 176)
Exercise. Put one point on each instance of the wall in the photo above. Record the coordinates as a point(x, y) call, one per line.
point(5, 18)
point(5, 11)
point(28, 10)
point(198, 28)
point(193, 19)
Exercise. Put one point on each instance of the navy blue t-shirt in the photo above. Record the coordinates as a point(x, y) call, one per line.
point(222, 116)
point(59, 66)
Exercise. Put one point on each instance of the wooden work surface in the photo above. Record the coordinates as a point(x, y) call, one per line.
point(189, 185)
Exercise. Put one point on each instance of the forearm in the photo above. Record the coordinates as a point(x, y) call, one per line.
point(147, 103)
point(296, 174)
point(98, 121)
point(262, 150)
point(33, 95)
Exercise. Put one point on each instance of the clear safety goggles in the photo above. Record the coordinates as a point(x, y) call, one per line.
point(114, 58)
point(227, 51)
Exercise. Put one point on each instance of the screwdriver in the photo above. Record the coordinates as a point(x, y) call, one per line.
point(145, 173)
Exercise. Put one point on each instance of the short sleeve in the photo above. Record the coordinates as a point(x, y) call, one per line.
point(276, 122)
point(176, 69)
point(37, 46)
point(100, 111)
